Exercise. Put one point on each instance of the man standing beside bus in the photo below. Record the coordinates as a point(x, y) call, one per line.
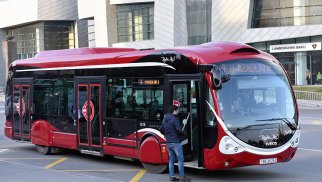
point(172, 127)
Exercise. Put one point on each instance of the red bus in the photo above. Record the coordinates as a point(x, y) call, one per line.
point(240, 105)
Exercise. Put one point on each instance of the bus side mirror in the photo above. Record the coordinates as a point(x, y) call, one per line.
point(216, 75)
point(205, 67)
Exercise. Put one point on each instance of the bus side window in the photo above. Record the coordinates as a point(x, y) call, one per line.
point(145, 104)
point(117, 102)
point(126, 99)
point(53, 101)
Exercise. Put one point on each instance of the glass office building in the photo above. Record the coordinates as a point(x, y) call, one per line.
point(48, 35)
point(304, 66)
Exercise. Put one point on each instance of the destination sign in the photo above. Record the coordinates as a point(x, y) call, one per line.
point(238, 68)
point(149, 82)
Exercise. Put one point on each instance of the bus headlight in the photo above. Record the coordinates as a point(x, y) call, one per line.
point(229, 146)
point(296, 139)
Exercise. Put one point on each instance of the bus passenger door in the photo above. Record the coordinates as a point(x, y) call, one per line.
point(89, 114)
point(185, 93)
point(22, 103)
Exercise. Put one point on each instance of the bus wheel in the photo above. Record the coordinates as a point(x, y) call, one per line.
point(44, 150)
point(155, 168)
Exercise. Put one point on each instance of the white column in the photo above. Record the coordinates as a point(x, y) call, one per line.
point(300, 68)
point(3, 61)
point(298, 13)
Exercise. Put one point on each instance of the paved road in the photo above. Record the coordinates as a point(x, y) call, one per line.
point(20, 162)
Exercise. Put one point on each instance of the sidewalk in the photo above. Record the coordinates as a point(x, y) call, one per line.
point(309, 103)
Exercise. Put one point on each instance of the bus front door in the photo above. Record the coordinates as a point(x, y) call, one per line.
point(89, 114)
point(22, 103)
point(185, 94)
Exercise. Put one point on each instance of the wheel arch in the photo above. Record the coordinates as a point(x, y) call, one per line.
point(147, 135)
point(150, 149)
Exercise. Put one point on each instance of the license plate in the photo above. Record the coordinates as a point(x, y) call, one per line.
point(268, 161)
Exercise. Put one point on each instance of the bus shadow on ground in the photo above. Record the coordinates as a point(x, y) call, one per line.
point(107, 159)
point(238, 174)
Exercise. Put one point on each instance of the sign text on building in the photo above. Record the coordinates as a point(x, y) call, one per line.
point(313, 46)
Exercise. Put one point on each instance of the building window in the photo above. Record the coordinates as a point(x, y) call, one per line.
point(26, 39)
point(275, 13)
point(135, 22)
point(42, 36)
point(59, 35)
point(199, 21)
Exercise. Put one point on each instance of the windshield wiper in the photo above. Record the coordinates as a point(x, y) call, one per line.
point(285, 120)
point(239, 130)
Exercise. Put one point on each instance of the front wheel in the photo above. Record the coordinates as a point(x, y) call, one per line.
point(155, 168)
point(44, 150)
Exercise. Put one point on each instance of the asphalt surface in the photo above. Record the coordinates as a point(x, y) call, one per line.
point(19, 162)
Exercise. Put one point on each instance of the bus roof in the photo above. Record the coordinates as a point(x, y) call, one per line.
point(81, 51)
point(201, 54)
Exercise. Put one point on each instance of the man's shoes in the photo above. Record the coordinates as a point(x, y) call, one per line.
point(185, 178)
point(173, 178)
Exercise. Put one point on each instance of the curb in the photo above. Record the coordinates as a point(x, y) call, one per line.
point(310, 103)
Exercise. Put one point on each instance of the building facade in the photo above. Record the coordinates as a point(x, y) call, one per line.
point(291, 30)
point(38, 25)
point(268, 24)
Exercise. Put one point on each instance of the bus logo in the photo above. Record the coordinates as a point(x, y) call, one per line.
point(84, 110)
point(269, 134)
point(170, 59)
point(176, 103)
point(21, 113)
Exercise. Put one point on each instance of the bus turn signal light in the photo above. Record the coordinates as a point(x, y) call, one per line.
point(163, 150)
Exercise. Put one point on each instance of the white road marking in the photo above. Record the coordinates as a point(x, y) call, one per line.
point(3, 150)
point(314, 150)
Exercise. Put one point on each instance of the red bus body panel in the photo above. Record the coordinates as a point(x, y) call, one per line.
point(65, 140)
point(119, 151)
point(215, 160)
point(120, 147)
point(42, 133)
point(8, 129)
point(150, 151)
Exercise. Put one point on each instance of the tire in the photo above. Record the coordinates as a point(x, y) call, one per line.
point(155, 168)
point(43, 150)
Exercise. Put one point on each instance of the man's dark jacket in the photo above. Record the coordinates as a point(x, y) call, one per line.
point(171, 127)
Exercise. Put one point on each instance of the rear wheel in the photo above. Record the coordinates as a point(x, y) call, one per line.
point(155, 168)
point(44, 150)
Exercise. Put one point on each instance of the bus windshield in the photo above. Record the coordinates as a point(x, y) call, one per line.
point(258, 93)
